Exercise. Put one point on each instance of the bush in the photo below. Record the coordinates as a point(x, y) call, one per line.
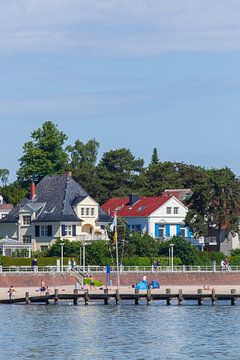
point(87, 281)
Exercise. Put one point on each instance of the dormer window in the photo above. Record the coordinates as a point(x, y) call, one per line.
point(26, 220)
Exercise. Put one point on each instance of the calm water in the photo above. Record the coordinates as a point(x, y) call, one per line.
point(119, 332)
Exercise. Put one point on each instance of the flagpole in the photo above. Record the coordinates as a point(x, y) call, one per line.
point(117, 259)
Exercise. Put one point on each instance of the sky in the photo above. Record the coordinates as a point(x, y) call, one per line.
point(138, 74)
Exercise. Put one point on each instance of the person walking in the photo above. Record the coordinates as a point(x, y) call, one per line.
point(11, 292)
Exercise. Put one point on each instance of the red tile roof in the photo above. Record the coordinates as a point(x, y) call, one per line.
point(143, 207)
point(6, 206)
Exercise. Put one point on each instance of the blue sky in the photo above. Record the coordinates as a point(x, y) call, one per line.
point(137, 74)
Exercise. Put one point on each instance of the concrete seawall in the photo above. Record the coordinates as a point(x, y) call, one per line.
point(175, 279)
point(34, 280)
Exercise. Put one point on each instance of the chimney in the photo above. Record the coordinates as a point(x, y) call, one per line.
point(32, 190)
point(133, 198)
point(68, 173)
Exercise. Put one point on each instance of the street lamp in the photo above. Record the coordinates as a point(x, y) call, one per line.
point(171, 251)
point(62, 245)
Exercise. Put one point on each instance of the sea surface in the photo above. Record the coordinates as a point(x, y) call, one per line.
point(125, 331)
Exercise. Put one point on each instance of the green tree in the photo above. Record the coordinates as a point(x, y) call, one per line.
point(214, 204)
point(118, 173)
point(182, 249)
point(44, 155)
point(82, 162)
point(13, 193)
point(155, 159)
point(4, 173)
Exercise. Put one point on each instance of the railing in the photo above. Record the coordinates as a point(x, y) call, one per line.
point(151, 269)
point(122, 269)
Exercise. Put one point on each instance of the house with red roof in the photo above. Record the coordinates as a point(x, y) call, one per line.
point(159, 216)
point(4, 208)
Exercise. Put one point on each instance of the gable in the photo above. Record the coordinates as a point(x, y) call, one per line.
point(171, 203)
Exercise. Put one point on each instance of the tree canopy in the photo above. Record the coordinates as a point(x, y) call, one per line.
point(44, 155)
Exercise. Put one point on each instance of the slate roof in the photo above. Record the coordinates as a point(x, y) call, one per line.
point(55, 196)
point(145, 206)
point(104, 217)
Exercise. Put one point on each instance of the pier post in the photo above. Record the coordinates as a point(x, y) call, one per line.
point(86, 297)
point(180, 297)
point(136, 298)
point(46, 298)
point(27, 301)
point(233, 299)
point(117, 297)
point(168, 291)
point(75, 299)
point(106, 299)
point(55, 296)
point(149, 296)
point(200, 298)
point(214, 297)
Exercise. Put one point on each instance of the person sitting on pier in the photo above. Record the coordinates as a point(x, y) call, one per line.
point(11, 292)
point(43, 287)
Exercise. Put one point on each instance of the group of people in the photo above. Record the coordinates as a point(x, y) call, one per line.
point(71, 265)
point(225, 265)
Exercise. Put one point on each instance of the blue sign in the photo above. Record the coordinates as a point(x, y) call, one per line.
point(108, 269)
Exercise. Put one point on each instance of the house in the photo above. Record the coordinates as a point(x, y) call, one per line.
point(58, 208)
point(4, 208)
point(158, 216)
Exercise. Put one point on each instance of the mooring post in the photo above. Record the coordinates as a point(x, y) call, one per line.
point(46, 298)
point(106, 299)
point(214, 297)
point(168, 291)
point(149, 296)
point(27, 301)
point(233, 299)
point(55, 296)
point(180, 297)
point(136, 298)
point(86, 297)
point(199, 298)
point(75, 299)
point(117, 297)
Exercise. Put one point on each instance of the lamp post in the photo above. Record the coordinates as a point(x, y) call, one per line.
point(171, 251)
point(62, 245)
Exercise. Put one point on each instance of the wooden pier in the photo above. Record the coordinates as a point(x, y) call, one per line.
point(106, 296)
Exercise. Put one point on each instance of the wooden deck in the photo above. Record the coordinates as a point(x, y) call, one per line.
point(106, 296)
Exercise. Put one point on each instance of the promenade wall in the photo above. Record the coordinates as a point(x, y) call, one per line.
point(167, 279)
point(34, 280)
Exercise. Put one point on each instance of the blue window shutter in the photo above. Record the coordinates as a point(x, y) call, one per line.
point(63, 230)
point(189, 233)
point(74, 230)
point(178, 229)
point(167, 230)
point(157, 230)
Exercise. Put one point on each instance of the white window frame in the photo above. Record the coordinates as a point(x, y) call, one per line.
point(26, 220)
point(176, 210)
point(169, 210)
point(68, 230)
point(43, 231)
point(92, 211)
point(82, 211)
point(87, 211)
point(27, 239)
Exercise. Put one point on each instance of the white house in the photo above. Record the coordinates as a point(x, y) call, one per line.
point(159, 216)
point(4, 208)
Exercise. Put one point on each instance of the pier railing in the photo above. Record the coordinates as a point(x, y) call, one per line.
point(122, 269)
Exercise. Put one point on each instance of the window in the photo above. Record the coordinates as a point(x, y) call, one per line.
point(169, 210)
point(92, 211)
point(82, 211)
point(68, 230)
point(26, 220)
point(87, 211)
point(183, 231)
point(27, 239)
point(175, 210)
point(43, 230)
point(161, 231)
point(136, 228)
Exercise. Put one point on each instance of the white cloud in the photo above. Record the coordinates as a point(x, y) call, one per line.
point(119, 27)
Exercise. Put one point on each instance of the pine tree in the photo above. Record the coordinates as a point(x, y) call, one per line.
point(155, 159)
